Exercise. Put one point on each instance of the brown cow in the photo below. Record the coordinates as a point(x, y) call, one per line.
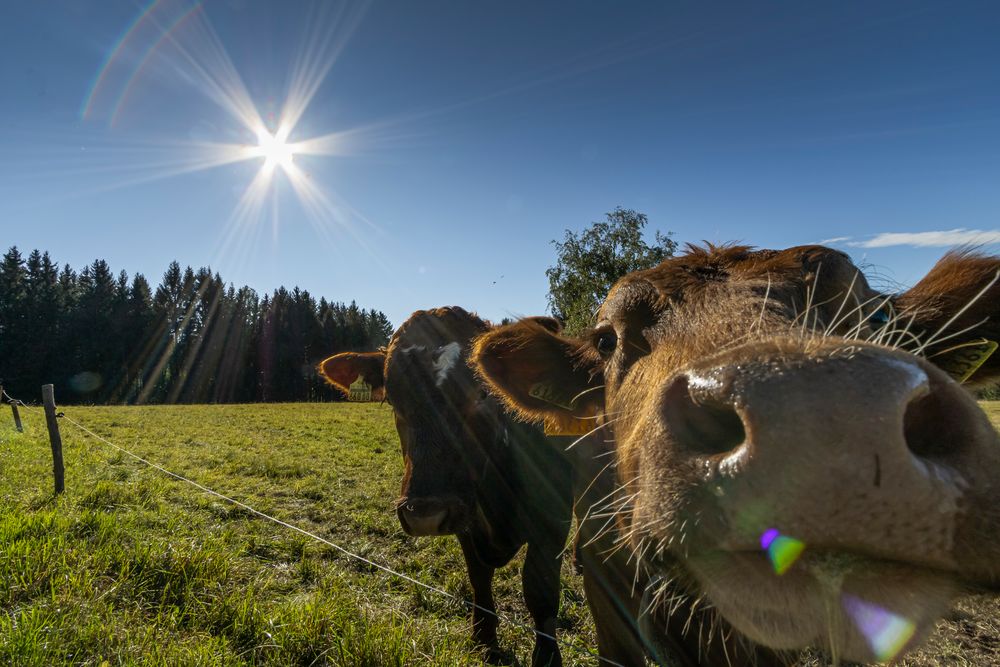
point(795, 458)
point(471, 470)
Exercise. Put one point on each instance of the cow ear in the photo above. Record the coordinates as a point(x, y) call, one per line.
point(954, 312)
point(342, 370)
point(542, 376)
point(550, 323)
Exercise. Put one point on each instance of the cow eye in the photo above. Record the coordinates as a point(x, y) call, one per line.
point(605, 340)
point(880, 317)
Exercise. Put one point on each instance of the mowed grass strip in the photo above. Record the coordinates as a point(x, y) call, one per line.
point(130, 567)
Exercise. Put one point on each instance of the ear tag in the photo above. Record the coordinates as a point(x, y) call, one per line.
point(963, 361)
point(573, 426)
point(549, 394)
point(360, 391)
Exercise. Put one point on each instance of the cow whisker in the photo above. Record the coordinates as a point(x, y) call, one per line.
point(589, 486)
point(603, 530)
point(610, 516)
point(855, 331)
point(589, 513)
point(587, 391)
point(961, 311)
point(763, 306)
point(895, 338)
point(694, 608)
point(902, 336)
point(811, 292)
point(590, 432)
point(923, 348)
point(843, 302)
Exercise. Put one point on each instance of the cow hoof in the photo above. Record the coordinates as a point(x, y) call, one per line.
point(546, 656)
point(494, 655)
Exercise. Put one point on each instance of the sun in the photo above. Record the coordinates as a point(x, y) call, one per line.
point(274, 149)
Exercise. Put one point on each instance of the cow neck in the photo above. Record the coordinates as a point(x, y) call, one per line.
point(495, 534)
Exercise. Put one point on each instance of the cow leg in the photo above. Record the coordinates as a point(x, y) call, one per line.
point(540, 581)
point(484, 619)
point(608, 587)
point(577, 553)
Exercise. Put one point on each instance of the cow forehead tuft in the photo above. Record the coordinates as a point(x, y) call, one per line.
point(448, 356)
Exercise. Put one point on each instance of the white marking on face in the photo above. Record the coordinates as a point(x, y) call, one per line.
point(447, 357)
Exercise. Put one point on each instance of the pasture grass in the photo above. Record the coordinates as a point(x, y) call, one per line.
point(131, 567)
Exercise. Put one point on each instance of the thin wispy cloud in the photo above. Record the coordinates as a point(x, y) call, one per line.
point(933, 239)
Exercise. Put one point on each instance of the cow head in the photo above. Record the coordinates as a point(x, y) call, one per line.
point(792, 447)
point(452, 432)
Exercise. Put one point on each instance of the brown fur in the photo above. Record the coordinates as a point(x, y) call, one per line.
point(952, 283)
point(431, 327)
point(727, 351)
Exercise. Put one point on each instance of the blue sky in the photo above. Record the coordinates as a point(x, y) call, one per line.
point(468, 135)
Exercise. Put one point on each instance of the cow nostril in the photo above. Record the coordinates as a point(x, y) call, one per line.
point(706, 426)
point(930, 426)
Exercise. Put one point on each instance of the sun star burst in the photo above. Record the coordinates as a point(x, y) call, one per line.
point(274, 148)
point(179, 38)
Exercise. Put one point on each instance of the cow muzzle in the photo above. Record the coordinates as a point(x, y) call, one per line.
point(432, 515)
point(854, 448)
point(839, 477)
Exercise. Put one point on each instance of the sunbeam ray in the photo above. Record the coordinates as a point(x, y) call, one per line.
point(180, 39)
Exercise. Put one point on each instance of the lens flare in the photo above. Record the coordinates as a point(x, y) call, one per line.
point(116, 50)
point(167, 32)
point(886, 633)
point(175, 39)
point(781, 549)
point(173, 43)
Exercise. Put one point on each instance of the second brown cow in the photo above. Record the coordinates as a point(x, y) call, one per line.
point(470, 469)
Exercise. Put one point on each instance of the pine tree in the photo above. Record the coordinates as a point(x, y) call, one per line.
point(13, 334)
point(103, 338)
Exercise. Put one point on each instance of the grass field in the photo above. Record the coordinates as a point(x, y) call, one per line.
point(132, 567)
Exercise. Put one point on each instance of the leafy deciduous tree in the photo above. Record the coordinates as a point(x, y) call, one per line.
point(589, 263)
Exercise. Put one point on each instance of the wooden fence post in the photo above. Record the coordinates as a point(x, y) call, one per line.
point(17, 416)
point(13, 408)
point(49, 401)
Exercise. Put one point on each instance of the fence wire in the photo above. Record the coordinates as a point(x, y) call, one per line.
point(433, 589)
point(15, 401)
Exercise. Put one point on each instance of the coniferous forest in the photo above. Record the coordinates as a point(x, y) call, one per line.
point(102, 337)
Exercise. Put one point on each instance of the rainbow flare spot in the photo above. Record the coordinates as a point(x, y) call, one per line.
point(132, 28)
point(150, 50)
point(781, 549)
point(887, 633)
